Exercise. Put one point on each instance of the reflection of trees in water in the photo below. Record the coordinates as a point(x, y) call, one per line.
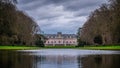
point(98, 59)
point(37, 61)
point(11, 59)
point(79, 62)
point(101, 61)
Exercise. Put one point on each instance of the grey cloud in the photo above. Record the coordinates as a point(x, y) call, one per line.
point(31, 4)
point(25, 1)
point(76, 5)
point(85, 11)
point(47, 17)
point(72, 5)
point(68, 29)
point(59, 15)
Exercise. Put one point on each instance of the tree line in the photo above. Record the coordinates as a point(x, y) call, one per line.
point(103, 25)
point(16, 27)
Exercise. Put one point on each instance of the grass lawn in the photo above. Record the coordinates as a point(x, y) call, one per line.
point(61, 47)
point(16, 47)
point(87, 47)
point(117, 47)
point(101, 47)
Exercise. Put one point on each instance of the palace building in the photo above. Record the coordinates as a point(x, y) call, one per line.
point(60, 39)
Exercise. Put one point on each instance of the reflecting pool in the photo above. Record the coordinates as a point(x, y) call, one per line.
point(59, 58)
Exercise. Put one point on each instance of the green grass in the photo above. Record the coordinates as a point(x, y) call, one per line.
point(101, 47)
point(28, 47)
point(16, 47)
point(61, 47)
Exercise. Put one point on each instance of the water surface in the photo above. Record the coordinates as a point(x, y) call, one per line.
point(60, 58)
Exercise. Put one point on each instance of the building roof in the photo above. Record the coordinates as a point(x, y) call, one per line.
point(60, 35)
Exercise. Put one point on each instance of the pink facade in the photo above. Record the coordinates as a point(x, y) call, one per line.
point(60, 39)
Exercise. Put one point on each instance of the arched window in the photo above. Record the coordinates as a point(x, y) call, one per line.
point(59, 41)
point(54, 41)
point(48, 41)
point(73, 41)
point(66, 41)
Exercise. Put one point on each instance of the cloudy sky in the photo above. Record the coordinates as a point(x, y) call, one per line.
point(59, 15)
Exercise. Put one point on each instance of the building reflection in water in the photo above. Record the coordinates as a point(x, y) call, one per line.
point(12, 59)
point(59, 61)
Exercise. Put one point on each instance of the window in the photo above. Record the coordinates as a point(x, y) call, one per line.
point(52, 36)
point(54, 41)
point(48, 41)
point(51, 41)
point(63, 42)
point(59, 42)
point(70, 37)
point(67, 36)
point(66, 41)
point(55, 36)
